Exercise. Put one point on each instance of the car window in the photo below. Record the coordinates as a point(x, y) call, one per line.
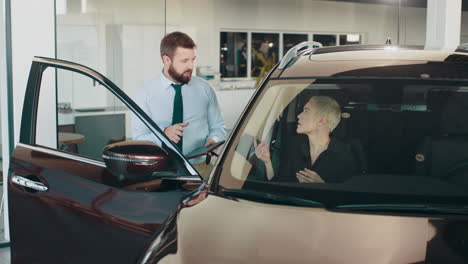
point(89, 117)
point(390, 140)
point(86, 118)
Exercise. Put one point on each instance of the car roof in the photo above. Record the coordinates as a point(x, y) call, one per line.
point(377, 61)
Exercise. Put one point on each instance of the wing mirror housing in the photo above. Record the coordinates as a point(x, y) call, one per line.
point(136, 160)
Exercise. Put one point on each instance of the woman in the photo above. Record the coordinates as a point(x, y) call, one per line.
point(322, 158)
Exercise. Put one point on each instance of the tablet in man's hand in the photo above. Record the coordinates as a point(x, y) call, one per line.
point(202, 151)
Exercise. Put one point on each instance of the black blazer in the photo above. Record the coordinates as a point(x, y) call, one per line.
point(336, 164)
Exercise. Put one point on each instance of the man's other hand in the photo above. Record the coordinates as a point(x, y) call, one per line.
point(175, 132)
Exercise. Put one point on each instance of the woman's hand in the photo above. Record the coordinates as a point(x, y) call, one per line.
point(262, 151)
point(308, 176)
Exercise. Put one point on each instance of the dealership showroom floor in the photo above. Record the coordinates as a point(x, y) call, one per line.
point(340, 127)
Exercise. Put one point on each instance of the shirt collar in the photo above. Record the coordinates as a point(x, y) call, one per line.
point(166, 83)
point(332, 146)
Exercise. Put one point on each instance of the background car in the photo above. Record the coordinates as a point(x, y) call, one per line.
point(403, 117)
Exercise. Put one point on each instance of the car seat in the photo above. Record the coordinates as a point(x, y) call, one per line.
point(445, 155)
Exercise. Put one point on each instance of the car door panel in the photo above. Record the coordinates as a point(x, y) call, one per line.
point(81, 213)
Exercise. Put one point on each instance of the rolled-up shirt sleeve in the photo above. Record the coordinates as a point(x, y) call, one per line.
point(217, 128)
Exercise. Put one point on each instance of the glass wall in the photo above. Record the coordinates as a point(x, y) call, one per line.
point(265, 53)
point(326, 39)
point(235, 38)
point(291, 40)
point(233, 54)
point(464, 23)
point(119, 39)
point(238, 41)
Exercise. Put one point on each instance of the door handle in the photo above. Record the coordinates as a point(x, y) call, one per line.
point(38, 186)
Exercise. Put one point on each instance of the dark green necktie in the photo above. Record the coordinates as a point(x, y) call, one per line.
point(178, 109)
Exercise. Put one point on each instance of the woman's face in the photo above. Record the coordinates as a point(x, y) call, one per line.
point(309, 120)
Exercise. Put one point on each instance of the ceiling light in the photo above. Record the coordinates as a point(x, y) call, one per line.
point(84, 6)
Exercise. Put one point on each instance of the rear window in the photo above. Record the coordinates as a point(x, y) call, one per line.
point(388, 141)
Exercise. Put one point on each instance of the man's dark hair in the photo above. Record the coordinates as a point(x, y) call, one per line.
point(174, 40)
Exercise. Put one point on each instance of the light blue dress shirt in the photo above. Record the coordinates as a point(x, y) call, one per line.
point(201, 110)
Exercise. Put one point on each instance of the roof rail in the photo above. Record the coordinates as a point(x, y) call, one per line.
point(463, 47)
point(294, 51)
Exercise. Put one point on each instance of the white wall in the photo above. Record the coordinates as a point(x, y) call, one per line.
point(209, 17)
point(4, 115)
point(133, 29)
point(464, 27)
point(78, 44)
point(3, 73)
point(33, 34)
point(376, 22)
point(443, 24)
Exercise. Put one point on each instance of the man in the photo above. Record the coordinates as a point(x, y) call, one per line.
point(185, 106)
point(321, 158)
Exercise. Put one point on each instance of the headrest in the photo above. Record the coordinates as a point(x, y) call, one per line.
point(341, 130)
point(452, 109)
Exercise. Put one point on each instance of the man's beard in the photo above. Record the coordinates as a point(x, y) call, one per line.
point(180, 77)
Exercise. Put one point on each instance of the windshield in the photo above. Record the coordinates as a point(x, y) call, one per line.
point(352, 141)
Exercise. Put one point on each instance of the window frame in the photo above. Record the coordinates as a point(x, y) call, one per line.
point(28, 132)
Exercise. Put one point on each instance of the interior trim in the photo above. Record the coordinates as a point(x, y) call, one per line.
point(63, 154)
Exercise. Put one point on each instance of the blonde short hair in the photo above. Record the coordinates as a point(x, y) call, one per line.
point(327, 106)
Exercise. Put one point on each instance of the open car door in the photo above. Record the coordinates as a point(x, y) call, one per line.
point(65, 204)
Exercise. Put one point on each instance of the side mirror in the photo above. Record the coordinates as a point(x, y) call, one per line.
point(135, 160)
